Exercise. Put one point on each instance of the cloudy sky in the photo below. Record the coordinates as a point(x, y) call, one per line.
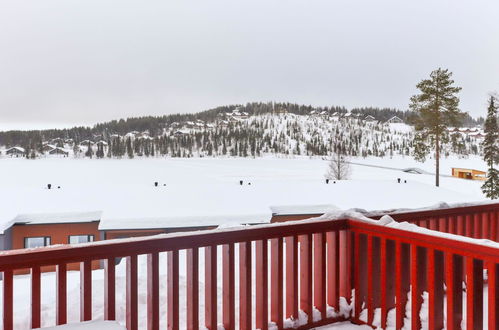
point(65, 62)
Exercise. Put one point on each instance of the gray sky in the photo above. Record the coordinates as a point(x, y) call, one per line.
point(79, 62)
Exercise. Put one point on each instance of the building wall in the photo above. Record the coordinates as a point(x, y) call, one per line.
point(58, 233)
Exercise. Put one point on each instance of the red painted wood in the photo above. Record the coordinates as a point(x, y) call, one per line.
point(277, 279)
point(384, 283)
point(477, 225)
point(357, 271)
point(433, 223)
point(493, 226)
point(153, 291)
point(474, 294)
point(493, 295)
point(262, 294)
point(443, 225)
point(86, 290)
point(333, 270)
point(292, 277)
point(173, 290)
point(345, 246)
point(210, 282)
point(131, 293)
point(306, 275)
point(469, 225)
point(228, 287)
point(435, 290)
point(109, 289)
point(494, 218)
point(399, 294)
point(35, 298)
point(417, 264)
point(461, 225)
point(320, 273)
point(192, 266)
point(484, 218)
point(245, 285)
point(453, 280)
point(62, 292)
point(8, 300)
point(452, 224)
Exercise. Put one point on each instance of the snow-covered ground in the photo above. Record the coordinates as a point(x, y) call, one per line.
point(124, 189)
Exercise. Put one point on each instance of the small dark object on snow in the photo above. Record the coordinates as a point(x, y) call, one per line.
point(405, 181)
point(327, 181)
point(241, 182)
point(58, 187)
point(156, 183)
point(164, 184)
point(398, 179)
point(334, 182)
point(249, 183)
point(49, 186)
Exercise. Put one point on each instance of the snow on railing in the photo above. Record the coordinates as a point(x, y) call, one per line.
point(289, 275)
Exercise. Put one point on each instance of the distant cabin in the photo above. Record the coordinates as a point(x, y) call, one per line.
point(369, 118)
point(47, 147)
point(15, 151)
point(468, 173)
point(395, 120)
point(101, 143)
point(59, 151)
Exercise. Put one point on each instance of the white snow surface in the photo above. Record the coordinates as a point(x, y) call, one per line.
point(197, 189)
point(302, 209)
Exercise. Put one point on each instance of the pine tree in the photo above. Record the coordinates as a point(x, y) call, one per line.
point(491, 151)
point(436, 108)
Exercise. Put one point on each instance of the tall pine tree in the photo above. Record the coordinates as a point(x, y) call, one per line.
point(436, 108)
point(491, 151)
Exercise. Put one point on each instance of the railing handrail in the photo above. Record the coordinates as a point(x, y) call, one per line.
point(464, 246)
point(122, 247)
point(414, 214)
point(59, 254)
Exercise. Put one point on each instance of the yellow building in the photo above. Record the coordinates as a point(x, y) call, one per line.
point(468, 173)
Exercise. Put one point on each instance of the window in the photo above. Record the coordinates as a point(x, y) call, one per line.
point(34, 242)
point(75, 239)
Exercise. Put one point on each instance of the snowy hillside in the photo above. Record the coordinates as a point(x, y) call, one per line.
point(237, 134)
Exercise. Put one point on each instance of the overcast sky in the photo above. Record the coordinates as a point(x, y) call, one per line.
point(66, 62)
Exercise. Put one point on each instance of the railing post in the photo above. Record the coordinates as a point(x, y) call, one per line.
point(345, 264)
point(454, 280)
point(193, 289)
point(210, 287)
point(61, 302)
point(306, 275)
point(228, 301)
point(418, 276)
point(277, 280)
point(292, 277)
point(35, 297)
point(173, 290)
point(435, 290)
point(8, 300)
point(262, 309)
point(402, 281)
point(86, 290)
point(153, 291)
point(474, 294)
point(320, 273)
point(493, 295)
point(131, 293)
point(109, 289)
point(245, 310)
point(333, 270)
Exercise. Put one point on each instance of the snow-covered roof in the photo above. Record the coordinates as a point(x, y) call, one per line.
point(15, 148)
point(181, 221)
point(57, 217)
point(302, 209)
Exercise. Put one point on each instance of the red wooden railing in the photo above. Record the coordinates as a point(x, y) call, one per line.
point(475, 221)
point(303, 266)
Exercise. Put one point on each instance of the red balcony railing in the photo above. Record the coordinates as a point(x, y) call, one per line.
point(300, 273)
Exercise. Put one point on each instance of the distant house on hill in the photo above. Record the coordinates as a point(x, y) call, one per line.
point(15, 151)
point(395, 120)
point(102, 143)
point(47, 147)
point(59, 151)
point(86, 143)
point(369, 118)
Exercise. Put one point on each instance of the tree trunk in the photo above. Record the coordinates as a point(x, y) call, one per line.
point(437, 158)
